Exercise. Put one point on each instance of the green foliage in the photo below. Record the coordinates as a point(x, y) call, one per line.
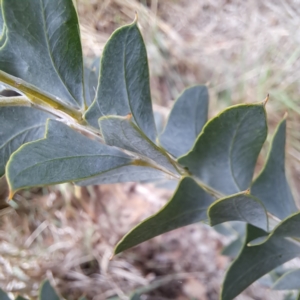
point(123, 133)
point(20, 298)
point(271, 186)
point(173, 215)
point(36, 47)
point(46, 292)
point(3, 295)
point(225, 153)
point(180, 132)
point(288, 281)
point(254, 262)
point(63, 155)
point(91, 77)
point(56, 128)
point(239, 207)
point(232, 249)
point(19, 125)
point(124, 84)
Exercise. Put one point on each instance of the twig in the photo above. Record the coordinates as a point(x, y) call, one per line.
point(35, 234)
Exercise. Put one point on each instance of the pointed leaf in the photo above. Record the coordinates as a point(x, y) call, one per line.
point(64, 155)
point(124, 81)
point(43, 47)
point(288, 281)
point(289, 227)
point(123, 133)
point(254, 262)
point(271, 186)
point(225, 153)
point(47, 292)
point(239, 207)
point(3, 295)
point(19, 125)
point(186, 120)
point(187, 206)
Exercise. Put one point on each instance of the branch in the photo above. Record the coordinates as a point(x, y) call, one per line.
point(40, 98)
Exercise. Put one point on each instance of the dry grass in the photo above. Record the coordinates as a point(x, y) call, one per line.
point(242, 50)
point(68, 236)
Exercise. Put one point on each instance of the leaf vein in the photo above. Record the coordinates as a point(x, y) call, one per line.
point(51, 54)
point(19, 133)
point(231, 149)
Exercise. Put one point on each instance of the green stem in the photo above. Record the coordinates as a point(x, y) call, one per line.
point(24, 101)
point(209, 189)
point(39, 98)
point(15, 101)
point(145, 162)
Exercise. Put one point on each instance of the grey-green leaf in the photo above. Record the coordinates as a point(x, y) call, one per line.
point(187, 206)
point(271, 186)
point(124, 81)
point(47, 292)
point(2, 27)
point(91, 78)
point(225, 153)
point(123, 133)
point(43, 47)
point(288, 281)
point(20, 298)
point(254, 262)
point(289, 227)
point(233, 248)
point(64, 155)
point(126, 174)
point(291, 296)
point(3, 295)
point(186, 120)
point(19, 125)
point(239, 207)
point(235, 228)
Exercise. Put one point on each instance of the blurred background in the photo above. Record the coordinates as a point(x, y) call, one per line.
point(242, 50)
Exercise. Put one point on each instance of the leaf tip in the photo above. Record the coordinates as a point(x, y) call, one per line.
point(116, 250)
point(11, 195)
point(285, 115)
point(266, 100)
